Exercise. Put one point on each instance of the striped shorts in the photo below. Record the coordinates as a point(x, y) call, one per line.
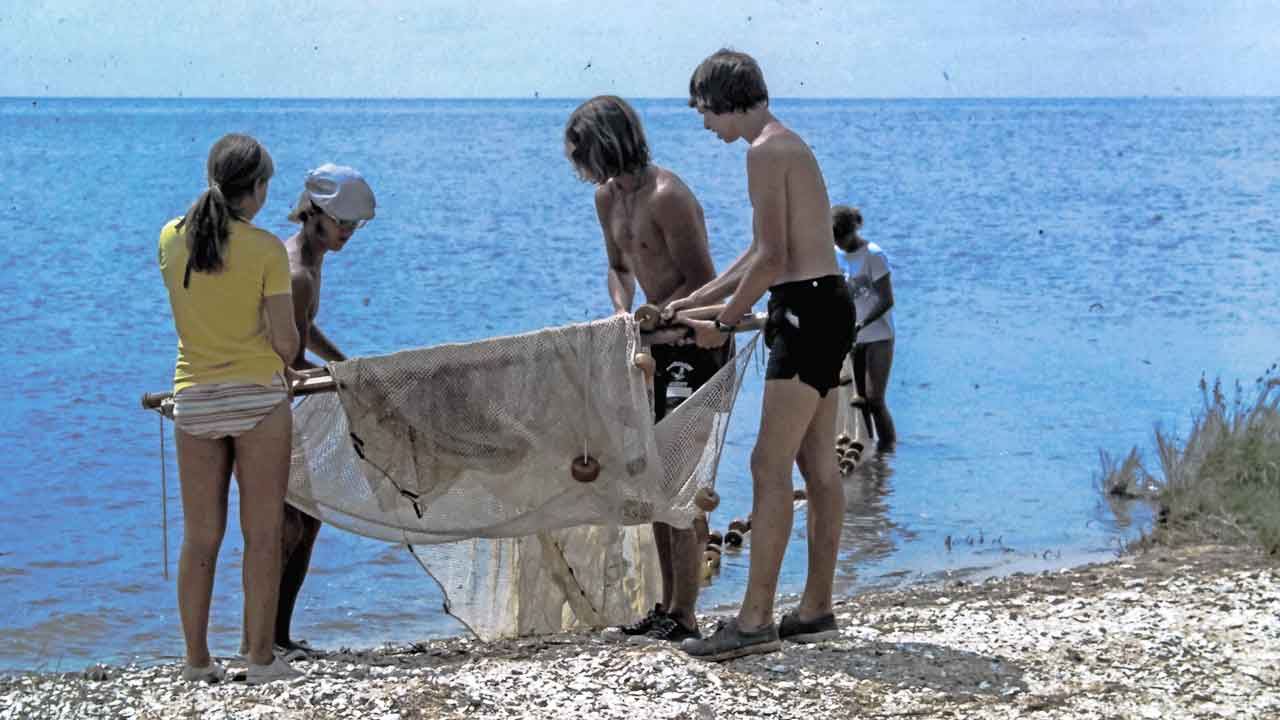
point(218, 410)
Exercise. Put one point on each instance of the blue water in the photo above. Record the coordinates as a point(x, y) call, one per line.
point(1065, 271)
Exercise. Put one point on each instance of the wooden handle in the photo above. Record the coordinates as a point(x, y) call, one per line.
point(648, 317)
point(317, 380)
point(153, 400)
point(673, 333)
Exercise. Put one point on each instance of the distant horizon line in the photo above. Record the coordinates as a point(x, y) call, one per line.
point(550, 98)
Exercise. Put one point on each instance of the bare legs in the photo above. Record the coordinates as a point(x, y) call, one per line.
point(300, 531)
point(872, 363)
point(825, 515)
point(796, 425)
point(261, 460)
point(678, 558)
point(205, 468)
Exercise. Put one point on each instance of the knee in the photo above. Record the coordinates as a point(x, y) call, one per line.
point(298, 528)
point(765, 464)
point(202, 542)
point(819, 473)
point(263, 534)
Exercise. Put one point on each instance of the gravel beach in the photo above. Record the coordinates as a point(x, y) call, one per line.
point(1168, 633)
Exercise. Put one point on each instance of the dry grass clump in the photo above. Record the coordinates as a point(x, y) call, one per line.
point(1223, 483)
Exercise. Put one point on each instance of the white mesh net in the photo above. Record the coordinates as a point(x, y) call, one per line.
point(466, 448)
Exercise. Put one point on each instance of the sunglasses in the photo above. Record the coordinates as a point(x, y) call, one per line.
point(347, 225)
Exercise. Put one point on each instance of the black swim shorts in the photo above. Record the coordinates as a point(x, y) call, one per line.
point(809, 331)
point(682, 369)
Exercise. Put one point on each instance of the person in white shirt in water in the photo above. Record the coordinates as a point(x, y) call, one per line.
point(867, 270)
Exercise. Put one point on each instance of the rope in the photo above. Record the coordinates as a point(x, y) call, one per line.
point(586, 400)
point(750, 349)
point(447, 607)
point(164, 504)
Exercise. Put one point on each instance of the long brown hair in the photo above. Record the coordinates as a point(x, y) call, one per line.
point(607, 139)
point(236, 164)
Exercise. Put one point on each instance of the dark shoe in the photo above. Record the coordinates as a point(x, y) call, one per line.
point(669, 629)
point(730, 642)
point(647, 623)
point(807, 631)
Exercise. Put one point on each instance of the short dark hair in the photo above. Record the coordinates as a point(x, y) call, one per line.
point(845, 221)
point(607, 139)
point(728, 81)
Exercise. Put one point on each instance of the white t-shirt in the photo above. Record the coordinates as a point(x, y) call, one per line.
point(862, 269)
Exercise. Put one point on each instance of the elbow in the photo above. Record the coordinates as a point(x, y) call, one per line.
point(286, 344)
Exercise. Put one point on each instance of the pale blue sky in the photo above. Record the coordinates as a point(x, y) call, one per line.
point(516, 48)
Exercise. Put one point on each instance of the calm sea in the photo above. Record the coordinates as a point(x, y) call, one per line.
point(1065, 271)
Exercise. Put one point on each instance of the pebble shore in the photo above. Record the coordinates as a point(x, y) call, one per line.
point(1169, 633)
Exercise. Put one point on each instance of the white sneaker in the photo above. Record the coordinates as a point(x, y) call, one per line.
point(277, 670)
point(213, 673)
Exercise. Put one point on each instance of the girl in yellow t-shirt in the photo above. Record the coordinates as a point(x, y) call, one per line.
point(229, 289)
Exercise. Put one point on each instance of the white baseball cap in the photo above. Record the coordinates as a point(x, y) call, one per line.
point(338, 190)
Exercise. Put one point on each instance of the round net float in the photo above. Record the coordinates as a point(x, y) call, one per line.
point(706, 499)
point(847, 467)
point(739, 525)
point(857, 446)
point(733, 537)
point(711, 558)
point(585, 469)
point(715, 538)
point(799, 494)
point(713, 550)
point(851, 454)
point(843, 440)
point(645, 362)
point(647, 317)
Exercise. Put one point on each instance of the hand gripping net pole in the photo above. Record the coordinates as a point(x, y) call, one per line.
point(463, 453)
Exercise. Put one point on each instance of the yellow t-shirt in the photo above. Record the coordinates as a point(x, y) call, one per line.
point(220, 317)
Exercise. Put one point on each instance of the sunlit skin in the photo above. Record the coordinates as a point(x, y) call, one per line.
point(655, 237)
point(791, 241)
point(320, 234)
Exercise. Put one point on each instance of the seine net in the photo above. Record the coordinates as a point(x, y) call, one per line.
point(463, 453)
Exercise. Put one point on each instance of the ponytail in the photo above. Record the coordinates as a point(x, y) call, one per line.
point(236, 164)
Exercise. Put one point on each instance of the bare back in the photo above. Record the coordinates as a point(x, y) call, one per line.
point(784, 175)
point(656, 235)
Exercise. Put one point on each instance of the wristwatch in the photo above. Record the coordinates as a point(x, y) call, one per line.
point(723, 326)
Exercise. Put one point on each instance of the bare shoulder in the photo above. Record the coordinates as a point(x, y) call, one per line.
point(778, 144)
point(670, 193)
point(604, 195)
point(304, 283)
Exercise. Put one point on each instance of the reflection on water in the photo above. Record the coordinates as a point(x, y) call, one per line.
point(869, 533)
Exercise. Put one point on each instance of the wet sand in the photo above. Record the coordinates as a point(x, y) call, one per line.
point(1169, 633)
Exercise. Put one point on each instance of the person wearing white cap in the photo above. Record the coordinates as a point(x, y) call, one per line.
point(335, 202)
